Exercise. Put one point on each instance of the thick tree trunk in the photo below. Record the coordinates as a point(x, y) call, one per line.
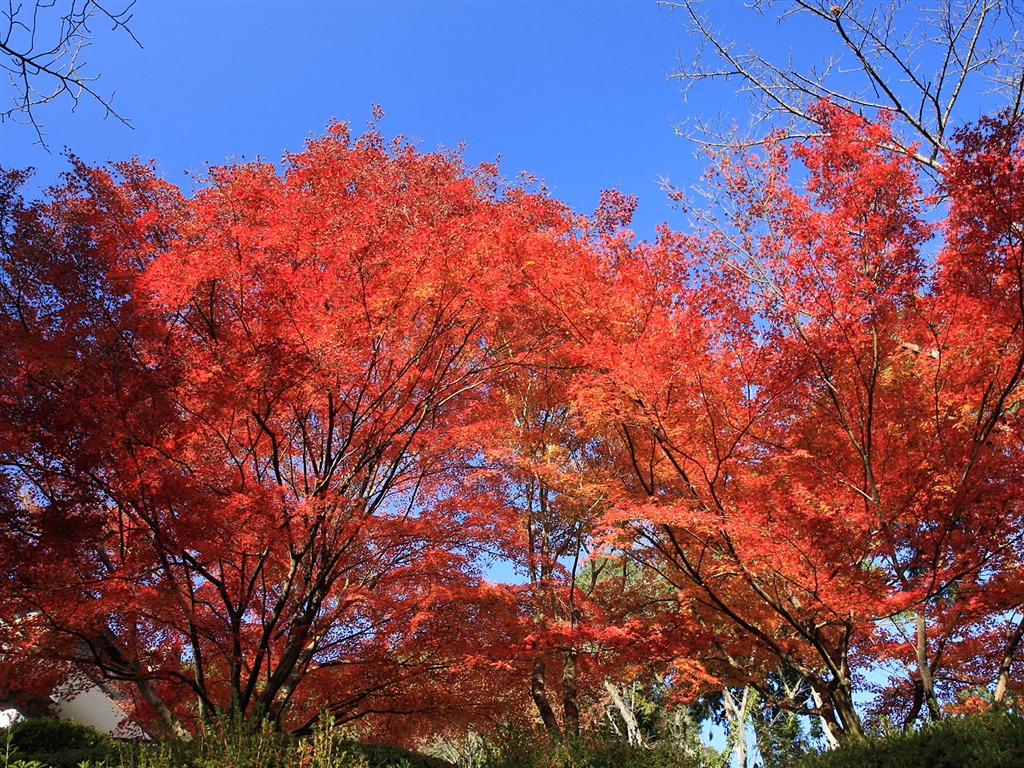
point(108, 655)
point(1013, 640)
point(570, 695)
point(915, 706)
point(851, 727)
point(171, 723)
point(838, 714)
point(924, 667)
point(538, 688)
point(828, 725)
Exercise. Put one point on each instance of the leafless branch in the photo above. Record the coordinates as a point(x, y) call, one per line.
point(927, 66)
point(41, 49)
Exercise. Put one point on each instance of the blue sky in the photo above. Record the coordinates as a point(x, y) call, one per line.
point(573, 92)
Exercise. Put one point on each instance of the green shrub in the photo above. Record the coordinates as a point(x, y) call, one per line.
point(51, 734)
point(49, 741)
point(985, 741)
point(331, 746)
point(93, 757)
point(386, 756)
point(226, 743)
point(531, 749)
point(233, 744)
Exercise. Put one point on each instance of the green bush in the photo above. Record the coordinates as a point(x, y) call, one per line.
point(49, 741)
point(232, 744)
point(93, 757)
point(226, 743)
point(530, 749)
point(985, 741)
point(51, 734)
point(386, 756)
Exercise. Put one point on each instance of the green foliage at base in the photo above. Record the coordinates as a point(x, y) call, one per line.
point(51, 734)
point(986, 741)
point(229, 743)
point(331, 747)
point(50, 741)
point(533, 749)
point(386, 756)
point(240, 745)
point(53, 743)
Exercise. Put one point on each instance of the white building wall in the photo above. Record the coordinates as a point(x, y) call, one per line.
point(85, 702)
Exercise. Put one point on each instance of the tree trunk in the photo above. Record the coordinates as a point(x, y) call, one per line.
point(736, 715)
point(1013, 639)
point(570, 695)
point(915, 706)
point(828, 720)
point(924, 667)
point(625, 710)
point(540, 697)
point(107, 654)
point(851, 727)
point(172, 723)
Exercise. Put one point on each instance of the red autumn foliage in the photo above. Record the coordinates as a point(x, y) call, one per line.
point(256, 442)
point(821, 424)
point(231, 428)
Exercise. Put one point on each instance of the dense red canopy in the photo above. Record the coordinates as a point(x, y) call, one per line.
point(256, 440)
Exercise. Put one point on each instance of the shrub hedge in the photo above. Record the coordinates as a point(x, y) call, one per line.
point(979, 741)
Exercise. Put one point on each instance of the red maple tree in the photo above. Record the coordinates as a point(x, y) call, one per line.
point(818, 424)
point(231, 427)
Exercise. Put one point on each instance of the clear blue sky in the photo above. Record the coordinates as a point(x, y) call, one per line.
point(572, 92)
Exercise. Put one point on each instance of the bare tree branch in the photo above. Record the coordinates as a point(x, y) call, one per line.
point(41, 50)
point(924, 65)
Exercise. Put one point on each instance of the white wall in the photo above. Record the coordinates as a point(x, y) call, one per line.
point(85, 702)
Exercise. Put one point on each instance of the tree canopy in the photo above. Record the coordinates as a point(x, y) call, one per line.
point(258, 442)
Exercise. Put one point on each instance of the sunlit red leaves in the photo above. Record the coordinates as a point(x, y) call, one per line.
point(267, 429)
point(251, 398)
point(810, 413)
